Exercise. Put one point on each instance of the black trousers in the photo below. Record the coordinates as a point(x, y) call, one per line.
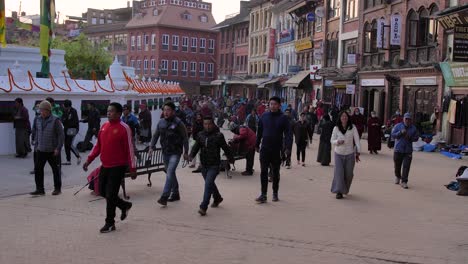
point(41, 158)
point(89, 136)
point(402, 161)
point(312, 130)
point(250, 157)
point(270, 160)
point(70, 148)
point(301, 150)
point(110, 180)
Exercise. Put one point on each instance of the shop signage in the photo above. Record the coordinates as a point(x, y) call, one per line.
point(350, 89)
point(286, 35)
point(420, 81)
point(460, 44)
point(314, 75)
point(311, 17)
point(395, 30)
point(380, 32)
point(351, 59)
point(303, 44)
point(450, 21)
point(271, 51)
point(372, 82)
point(329, 82)
point(455, 74)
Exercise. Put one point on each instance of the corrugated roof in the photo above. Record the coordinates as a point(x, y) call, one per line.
point(171, 16)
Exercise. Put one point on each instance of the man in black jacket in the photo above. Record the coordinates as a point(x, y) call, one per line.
point(210, 141)
point(71, 126)
point(272, 129)
point(94, 123)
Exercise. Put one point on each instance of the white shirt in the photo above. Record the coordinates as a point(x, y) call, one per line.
point(351, 140)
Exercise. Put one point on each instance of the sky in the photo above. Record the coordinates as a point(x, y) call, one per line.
point(221, 8)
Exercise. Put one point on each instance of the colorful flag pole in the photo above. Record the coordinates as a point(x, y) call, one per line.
point(47, 24)
point(2, 24)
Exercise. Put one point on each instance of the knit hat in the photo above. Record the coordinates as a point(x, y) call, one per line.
point(45, 105)
point(407, 116)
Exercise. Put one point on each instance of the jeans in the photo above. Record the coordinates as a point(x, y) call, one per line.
point(250, 157)
point(402, 160)
point(170, 163)
point(209, 175)
point(110, 180)
point(40, 161)
point(70, 148)
point(270, 159)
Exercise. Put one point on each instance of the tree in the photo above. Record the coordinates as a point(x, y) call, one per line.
point(84, 57)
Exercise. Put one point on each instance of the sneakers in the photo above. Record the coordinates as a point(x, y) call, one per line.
point(202, 211)
point(275, 197)
point(216, 203)
point(163, 201)
point(247, 173)
point(107, 228)
point(397, 180)
point(68, 163)
point(339, 196)
point(261, 199)
point(37, 193)
point(174, 197)
point(303, 164)
point(56, 192)
point(404, 185)
point(124, 214)
point(198, 170)
point(288, 167)
point(270, 179)
point(78, 161)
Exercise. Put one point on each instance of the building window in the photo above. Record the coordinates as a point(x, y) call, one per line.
point(332, 52)
point(164, 66)
point(94, 21)
point(147, 40)
point(333, 8)
point(185, 42)
point(175, 43)
point(165, 42)
point(145, 65)
point(187, 16)
point(202, 45)
point(101, 21)
point(132, 63)
point(371, 3)
point(210, 70)
point(318, 24)
point(193, 69)
point(349, 51)
point(204, 19)
point(184, 68)
point(153, 41)
point(422, 27)
point(155, 12)
point(202, 70)
point(138, 42)
point(138, 66)
point(132, 40)
point(153, 66)
point(194, 45)
point(351, 8)
point(211, 46)
point(109, 21)
point(175, 68)
point(370, 37)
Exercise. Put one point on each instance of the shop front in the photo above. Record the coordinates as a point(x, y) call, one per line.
point(373, 96)
point(299, 89)
point(339, 93)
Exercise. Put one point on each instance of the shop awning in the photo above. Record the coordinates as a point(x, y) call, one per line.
point(217, 82)
point(248, 81)
point(274, 80)
point(297, 79)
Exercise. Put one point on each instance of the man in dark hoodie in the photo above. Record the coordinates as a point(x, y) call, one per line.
point(272, 128)
point(71, 126)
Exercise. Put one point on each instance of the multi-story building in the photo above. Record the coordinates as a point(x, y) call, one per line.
point(399, 47)
point(173, 40)
point(454, 66)
point(108, 26)
point(233, 51)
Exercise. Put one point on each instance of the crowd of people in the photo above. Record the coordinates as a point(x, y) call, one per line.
point(267, 127)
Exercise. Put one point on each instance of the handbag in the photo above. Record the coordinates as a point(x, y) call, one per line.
point(72, 132)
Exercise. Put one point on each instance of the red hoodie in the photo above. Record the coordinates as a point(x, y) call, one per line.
point(115, 146)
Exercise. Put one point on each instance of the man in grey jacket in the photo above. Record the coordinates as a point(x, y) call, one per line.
point(47, 137)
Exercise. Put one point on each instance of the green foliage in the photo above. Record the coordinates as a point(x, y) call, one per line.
point(83, 57)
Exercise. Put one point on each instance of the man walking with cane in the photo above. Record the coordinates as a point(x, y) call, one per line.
point(115, 147)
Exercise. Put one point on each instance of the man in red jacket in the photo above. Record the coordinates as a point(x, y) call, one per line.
point(115, 146)
point(246, 140)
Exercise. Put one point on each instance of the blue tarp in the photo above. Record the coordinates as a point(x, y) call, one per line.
point(451, 155)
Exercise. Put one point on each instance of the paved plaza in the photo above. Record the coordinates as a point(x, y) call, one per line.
point(378, 222)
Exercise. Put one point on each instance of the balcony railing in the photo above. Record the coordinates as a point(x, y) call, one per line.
point(421, 55)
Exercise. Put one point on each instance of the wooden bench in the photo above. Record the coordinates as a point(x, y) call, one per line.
point(146, 165)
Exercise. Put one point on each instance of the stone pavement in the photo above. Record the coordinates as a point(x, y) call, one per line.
point(378, 222)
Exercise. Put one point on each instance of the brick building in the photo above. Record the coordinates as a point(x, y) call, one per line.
point(399, 46)
point(233, 51)
point(173, 40)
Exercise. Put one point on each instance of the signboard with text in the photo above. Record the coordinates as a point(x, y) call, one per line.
point(271, 51)
point(460, 43)
point(395, 30)
point(350, 89)
point(303, 44)
point(455, 74)
point(450, 21)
